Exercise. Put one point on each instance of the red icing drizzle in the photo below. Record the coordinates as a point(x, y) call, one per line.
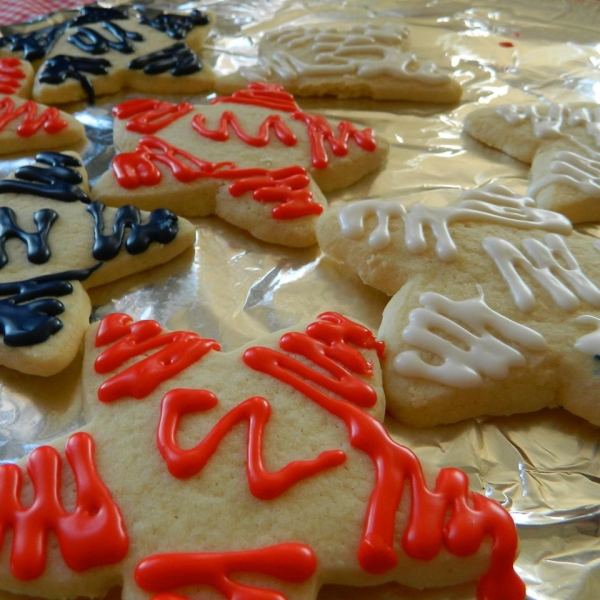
point(263, 484)
point(319, 130)
point(173, 352)
point(149, 116)
point(450, 516)
point(10, 75)
point(286, 186)
point(229, 119)
point(288, 562)
point(32, 122)
point(266, 95)
point(93, 535)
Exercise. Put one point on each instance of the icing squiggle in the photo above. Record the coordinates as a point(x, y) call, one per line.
point(287, 186)
point(146, 115)
point(90, 535)
point(493, 204)
point(327, 365)
point(365, 51)
point(173, 352)
point(57, 179)
point(11, 76)
point(549, 121)
point(485, 355)
point(185, 463)
point(436, 519)
point(32, 119)
point(29, 309)
point(287, 562)
point(567, 286)
point(590, 343)
point(574, 170)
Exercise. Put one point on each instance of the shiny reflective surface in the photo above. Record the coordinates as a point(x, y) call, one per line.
point(543, 467)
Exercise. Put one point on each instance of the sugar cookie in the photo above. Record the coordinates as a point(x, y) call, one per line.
point(264, 472)
point(103, 50)
point(255, 159)
point(495, 308)
point(26, 125)
point(53, 243)
point(562, 144)
point(370, 61)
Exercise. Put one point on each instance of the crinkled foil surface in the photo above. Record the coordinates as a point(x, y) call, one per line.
point(543, 467)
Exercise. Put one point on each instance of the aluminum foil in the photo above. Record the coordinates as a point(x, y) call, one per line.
point(543, 467)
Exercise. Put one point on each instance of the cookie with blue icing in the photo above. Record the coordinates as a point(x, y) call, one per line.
point(104, 50)
point(495, 306)
point(561, 142)
point(54, 243)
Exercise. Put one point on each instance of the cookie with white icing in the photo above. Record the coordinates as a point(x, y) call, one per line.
point(264, 472)
point(103, 50)
point(25, 125)
point(562, 144)
point(256, 159)
point(372, 61)
point(54, 243)
point(495, 307)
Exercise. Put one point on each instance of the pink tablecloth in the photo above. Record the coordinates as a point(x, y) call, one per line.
point(16, 11)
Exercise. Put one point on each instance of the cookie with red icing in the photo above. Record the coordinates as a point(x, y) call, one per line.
point(255, 159)
point(264, 472)
point(26, 125)
point(495, 307)
point(105, 49)
point(561, 142)
point(372, 61)
point(54, 243)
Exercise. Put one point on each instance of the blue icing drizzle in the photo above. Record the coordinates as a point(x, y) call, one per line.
point(97, 14)
point(35, 44)
point(58, 181)
point(62, 67)
point(28, 315)
point(161, 227)
point(175, 26)
point(92, 41)
point(38, 250)
point(179, 59)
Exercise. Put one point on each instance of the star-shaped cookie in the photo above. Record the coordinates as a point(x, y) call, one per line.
point(371, 60)
point(264, 473)
point(256, 159)
point(495, 307)
point(105, 49)
point(562, 144)
point(54, 242)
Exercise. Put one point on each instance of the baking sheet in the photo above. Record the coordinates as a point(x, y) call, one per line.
point(543, 467)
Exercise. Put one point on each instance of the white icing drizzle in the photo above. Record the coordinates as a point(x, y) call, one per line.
point(369, 51)
point(567, 286)
point(589, 118)
point(590, 343)
point(572, 169)
point(493, 203)
point(485, 355)
point(549, 120)
point(352, 220)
